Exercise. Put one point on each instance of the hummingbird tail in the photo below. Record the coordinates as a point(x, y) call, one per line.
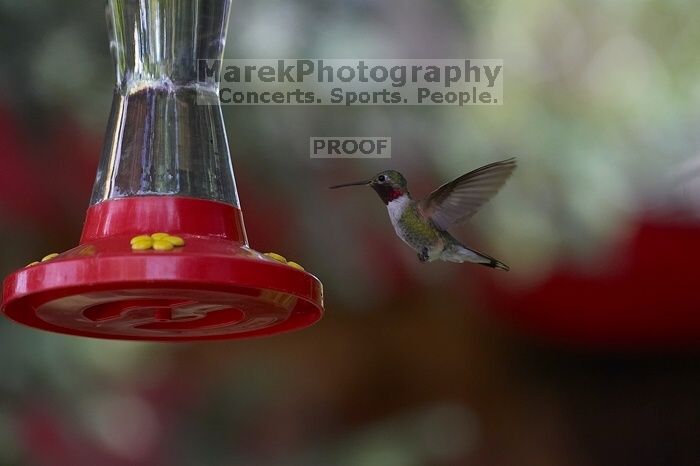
point(459, 253)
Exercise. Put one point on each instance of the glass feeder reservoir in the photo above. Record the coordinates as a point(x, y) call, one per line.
point(163, 253)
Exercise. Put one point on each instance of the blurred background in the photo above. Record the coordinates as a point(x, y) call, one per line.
point(586, 353)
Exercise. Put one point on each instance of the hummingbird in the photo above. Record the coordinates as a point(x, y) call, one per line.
point(423, 224)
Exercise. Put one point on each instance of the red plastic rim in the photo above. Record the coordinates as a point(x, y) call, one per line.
point(214, 287)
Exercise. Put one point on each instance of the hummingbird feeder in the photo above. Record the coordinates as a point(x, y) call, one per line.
point(163, 253)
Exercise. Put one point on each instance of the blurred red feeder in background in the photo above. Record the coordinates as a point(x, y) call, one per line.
point(643, 297)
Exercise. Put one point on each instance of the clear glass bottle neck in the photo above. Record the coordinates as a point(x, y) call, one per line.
point(159, 42)
point(161, 138)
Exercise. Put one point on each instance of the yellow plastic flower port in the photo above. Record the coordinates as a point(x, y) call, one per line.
point(162, 245)
point(283, 260)
point(157, 241)
point(139, 238)
point(141, 243)
point(47, 257)
point(295, 265)
point(175, 240)
point(276, 257)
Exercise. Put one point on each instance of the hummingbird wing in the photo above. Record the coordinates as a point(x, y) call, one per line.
point(459, 199)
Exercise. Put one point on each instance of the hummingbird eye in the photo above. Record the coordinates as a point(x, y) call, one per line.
point(381, 178)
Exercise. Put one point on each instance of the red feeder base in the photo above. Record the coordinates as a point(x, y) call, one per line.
point(214, 287)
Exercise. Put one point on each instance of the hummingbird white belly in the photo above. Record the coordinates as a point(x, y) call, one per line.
point(396, 208)
point(414, 229)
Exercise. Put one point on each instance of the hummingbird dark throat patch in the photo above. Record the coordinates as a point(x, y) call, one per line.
point(387, 193)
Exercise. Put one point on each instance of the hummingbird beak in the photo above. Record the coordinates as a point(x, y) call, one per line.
point(357, 183)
